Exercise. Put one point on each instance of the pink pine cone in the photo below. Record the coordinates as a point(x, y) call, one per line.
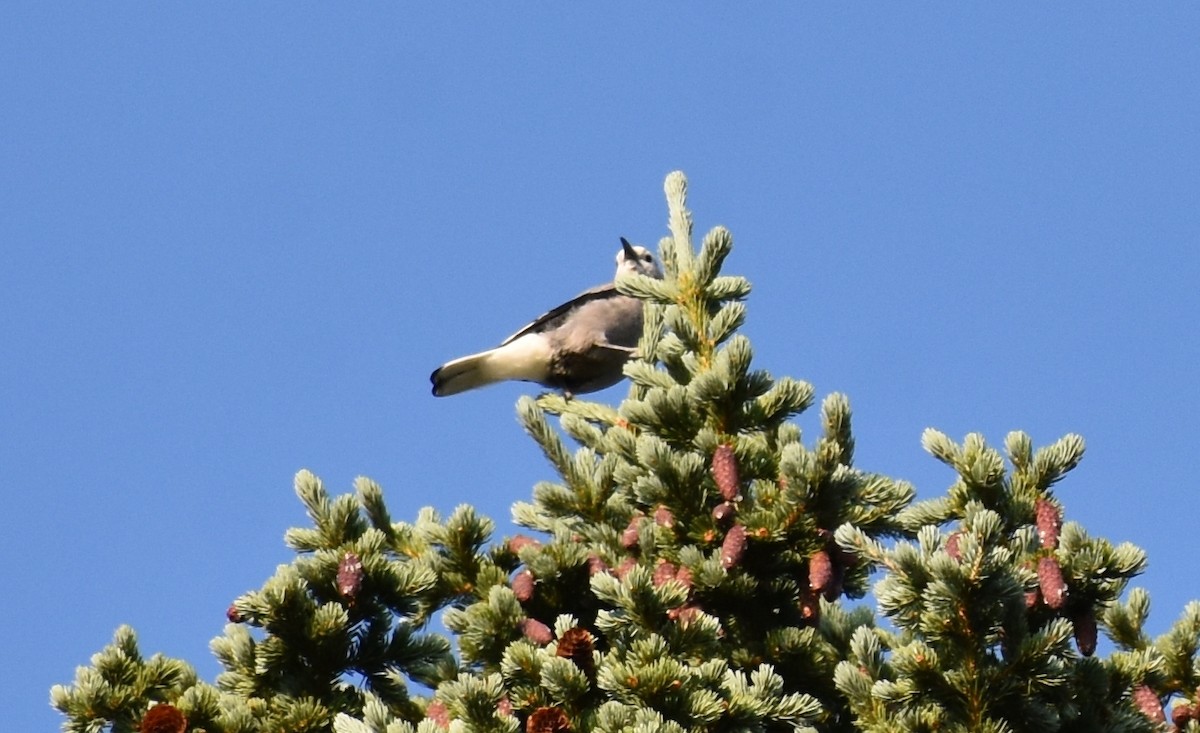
point(504, 707)
point(663, 572)
point(438, 713)
point(820, 571)
point(349, 576)
point(626, 565)
point(522, 585)
point(536, 631)
point(684, 577)
point(1148, 702)
point(520, 542)
point(952, 546)
point(663, 517)
point(1051, 583)
point(684, 614)
point(629, 538)
point(1049, 523)
point(596, 565)
point(725, 472)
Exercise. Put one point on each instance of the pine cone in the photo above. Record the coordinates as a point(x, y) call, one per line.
point(520, 542)
point(820, 571)
point(663, 572)
point(684, 613)
point(663, 517)
point(733, 547)
point(1146, 701)
point(724, 513)
point(349, 576)
point(684, 577)
point(725, 472)
point(629, 538)
point(234, 615)
point(626, 565)
point(1085, 632)
point(547, 720)
point(522, 585)
point(952, 546)
point(437, 712)
point(596, 565)
point(1182, 714)
point(1051, 583)
point(1049, 522)
point(577, 645)
point(504, 707)
point(163, 718)
point(810, 607)
point(536, 631)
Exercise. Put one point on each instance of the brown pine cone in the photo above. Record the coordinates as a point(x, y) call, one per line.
point(577, 645)
point(163, 718)
point(1181, 714)
point(810, 607)
point(724, 513)
point(548, 720)
point(733, 547)
point(1085, 632)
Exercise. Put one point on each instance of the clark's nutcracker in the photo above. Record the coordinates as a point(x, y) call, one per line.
point(580, 346)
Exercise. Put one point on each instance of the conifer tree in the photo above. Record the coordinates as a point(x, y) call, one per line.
point(690, 568)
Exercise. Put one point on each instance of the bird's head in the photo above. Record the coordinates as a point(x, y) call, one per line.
point(636, 260)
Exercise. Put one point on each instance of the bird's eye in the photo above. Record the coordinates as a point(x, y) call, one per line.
point(647, 258)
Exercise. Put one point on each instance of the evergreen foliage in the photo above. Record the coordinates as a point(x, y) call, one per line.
point(691, 572)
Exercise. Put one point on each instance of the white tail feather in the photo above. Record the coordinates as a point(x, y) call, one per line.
point(525, 359)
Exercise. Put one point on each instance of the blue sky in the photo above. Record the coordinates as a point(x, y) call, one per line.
point(236, 238)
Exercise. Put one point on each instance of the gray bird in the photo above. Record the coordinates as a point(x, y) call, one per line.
point(580, 346)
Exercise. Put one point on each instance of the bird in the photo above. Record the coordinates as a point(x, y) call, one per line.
point(579, 347)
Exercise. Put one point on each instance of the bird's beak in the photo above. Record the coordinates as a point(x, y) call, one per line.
point(630, 254)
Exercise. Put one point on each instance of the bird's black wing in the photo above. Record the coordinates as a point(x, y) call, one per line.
point(553, 318)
